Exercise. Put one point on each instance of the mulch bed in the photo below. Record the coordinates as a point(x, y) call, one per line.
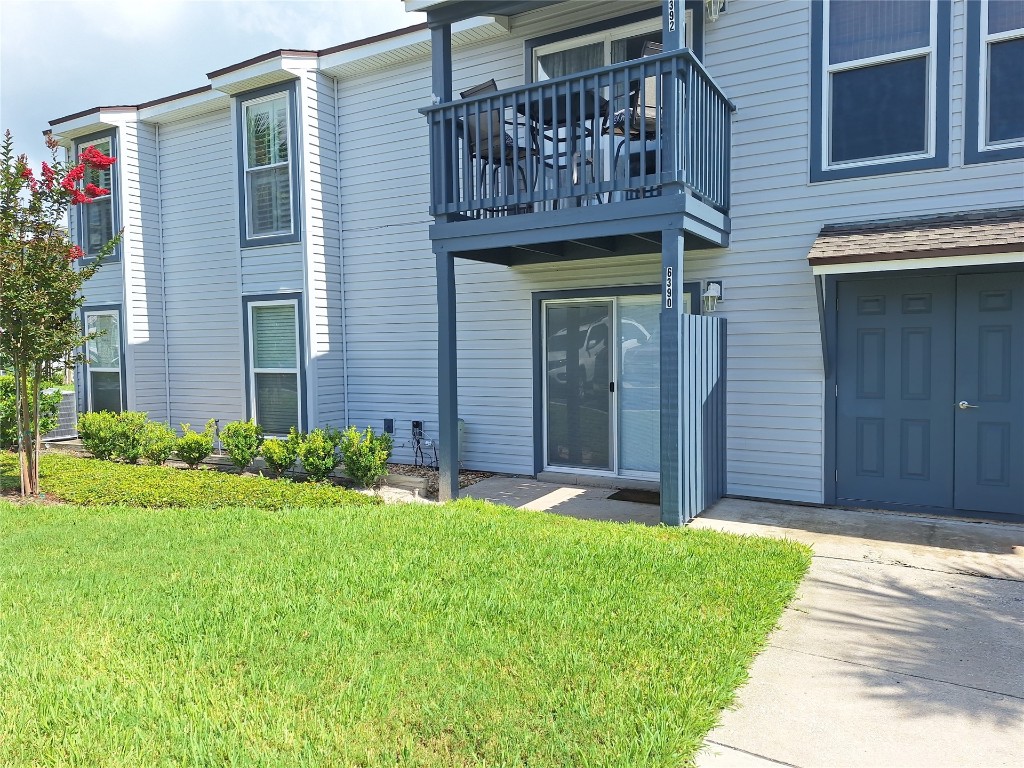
point(466, 476)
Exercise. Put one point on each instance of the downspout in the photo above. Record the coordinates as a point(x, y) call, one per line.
point(341, 251)
point(163, 274)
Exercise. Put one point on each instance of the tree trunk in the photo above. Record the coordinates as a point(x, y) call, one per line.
point(37, 438)
point(24, 429)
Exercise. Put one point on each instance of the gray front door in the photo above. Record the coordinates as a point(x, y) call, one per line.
point(909, 352)
point(989, 435)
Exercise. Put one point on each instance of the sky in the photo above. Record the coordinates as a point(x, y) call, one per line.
point(58, 57)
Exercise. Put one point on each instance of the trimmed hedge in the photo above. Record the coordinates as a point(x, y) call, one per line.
point(95, 482)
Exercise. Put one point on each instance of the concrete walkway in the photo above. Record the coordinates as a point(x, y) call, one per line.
point(904, 647)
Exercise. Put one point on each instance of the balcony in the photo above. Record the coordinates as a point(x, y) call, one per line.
point(609, 152)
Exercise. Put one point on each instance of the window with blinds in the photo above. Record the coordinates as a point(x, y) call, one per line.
point(103, 360)
point(268, 177)
point(274, 365)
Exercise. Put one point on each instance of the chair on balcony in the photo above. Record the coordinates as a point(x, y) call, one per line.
point(640, 121)
point(495, 152)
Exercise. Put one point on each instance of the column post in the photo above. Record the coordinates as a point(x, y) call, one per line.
point(447, 378)
point(672, 463)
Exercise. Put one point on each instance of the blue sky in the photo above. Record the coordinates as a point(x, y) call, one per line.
point(60, 57)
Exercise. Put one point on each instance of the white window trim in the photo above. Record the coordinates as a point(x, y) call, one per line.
point(85, 219)
point(607, 36)
point(90, 368)
point(983, 83)
point(828, 69)
point(246, 170)
point(251, 362)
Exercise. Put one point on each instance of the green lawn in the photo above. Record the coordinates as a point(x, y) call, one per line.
point(455, 635)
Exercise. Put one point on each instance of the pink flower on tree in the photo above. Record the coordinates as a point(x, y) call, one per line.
point(95, 159)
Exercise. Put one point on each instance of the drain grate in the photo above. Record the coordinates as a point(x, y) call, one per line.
point(636, 495)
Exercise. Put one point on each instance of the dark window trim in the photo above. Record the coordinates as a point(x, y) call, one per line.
point(115, 193)
point(972, 116)
point(295, 296)
point(537, 299)
point(91, 309)
point(290, 89)
point(619, 21)
point(940, 108)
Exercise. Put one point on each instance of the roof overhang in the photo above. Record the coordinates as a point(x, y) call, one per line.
point(450, 11)
point(268, 69)
point(993, 236)
point(67, 129)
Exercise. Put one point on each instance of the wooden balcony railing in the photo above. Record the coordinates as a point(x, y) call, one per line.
point(592, 138)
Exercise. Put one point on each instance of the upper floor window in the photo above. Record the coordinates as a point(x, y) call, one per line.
point(995, 120)
point(96, 219)
point(268, 168)
point(881, 84)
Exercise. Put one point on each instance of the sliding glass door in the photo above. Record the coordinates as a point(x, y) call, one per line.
point(601, 393)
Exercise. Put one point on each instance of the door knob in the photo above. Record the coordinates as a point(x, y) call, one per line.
point(963, 405)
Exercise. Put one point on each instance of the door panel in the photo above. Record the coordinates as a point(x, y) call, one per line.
point(578, 350)
point(989, 438)
point(894, 404)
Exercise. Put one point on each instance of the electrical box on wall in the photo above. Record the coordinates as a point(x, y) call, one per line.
point(389, 426)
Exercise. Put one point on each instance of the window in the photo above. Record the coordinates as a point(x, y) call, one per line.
point(881, 71)
point(103, 359)
point(268, 168)
point(275, 365)
point(607, 42)
point(995, 119)
point(96, 219)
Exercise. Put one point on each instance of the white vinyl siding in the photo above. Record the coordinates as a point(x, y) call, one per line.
point(274, 365)
point(268, 177)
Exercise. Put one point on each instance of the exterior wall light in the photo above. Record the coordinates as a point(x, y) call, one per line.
point(711, 296)
point(712, 8)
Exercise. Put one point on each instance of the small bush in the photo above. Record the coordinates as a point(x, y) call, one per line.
point(88, 481)
point(130, 436)
point(319, 453)
point(365, 455)
point(159, 442)
point(281, 455)
point(242, 441)
point(49, 406)
point(194, 447)
point(99, 432)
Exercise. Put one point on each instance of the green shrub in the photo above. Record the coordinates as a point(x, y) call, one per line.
point(365, 455)
point(49, 406)
point(319, 453)
point(99, 432)
point(88, 481)
point(159, 442)
point(130, 436)
point(242, 441)
point(281, 455)
point(193, 447)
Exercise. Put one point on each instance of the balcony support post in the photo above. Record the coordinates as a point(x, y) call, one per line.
point(673, 464)
point(442, 153)
point(447, 378)
point(673, 36)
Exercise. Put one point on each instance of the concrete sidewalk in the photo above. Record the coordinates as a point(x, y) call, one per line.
point(904, 647)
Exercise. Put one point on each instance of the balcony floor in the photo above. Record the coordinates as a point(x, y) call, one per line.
point(620, 228)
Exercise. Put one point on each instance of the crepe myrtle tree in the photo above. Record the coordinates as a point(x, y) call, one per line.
point(41, 278)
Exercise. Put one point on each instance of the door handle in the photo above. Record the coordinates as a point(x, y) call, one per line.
point(963, 405)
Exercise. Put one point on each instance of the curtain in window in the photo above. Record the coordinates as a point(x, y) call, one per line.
point(570, 61)
point(276, 376)
point(860, 30)
point(104, 351)
point(269, 197)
